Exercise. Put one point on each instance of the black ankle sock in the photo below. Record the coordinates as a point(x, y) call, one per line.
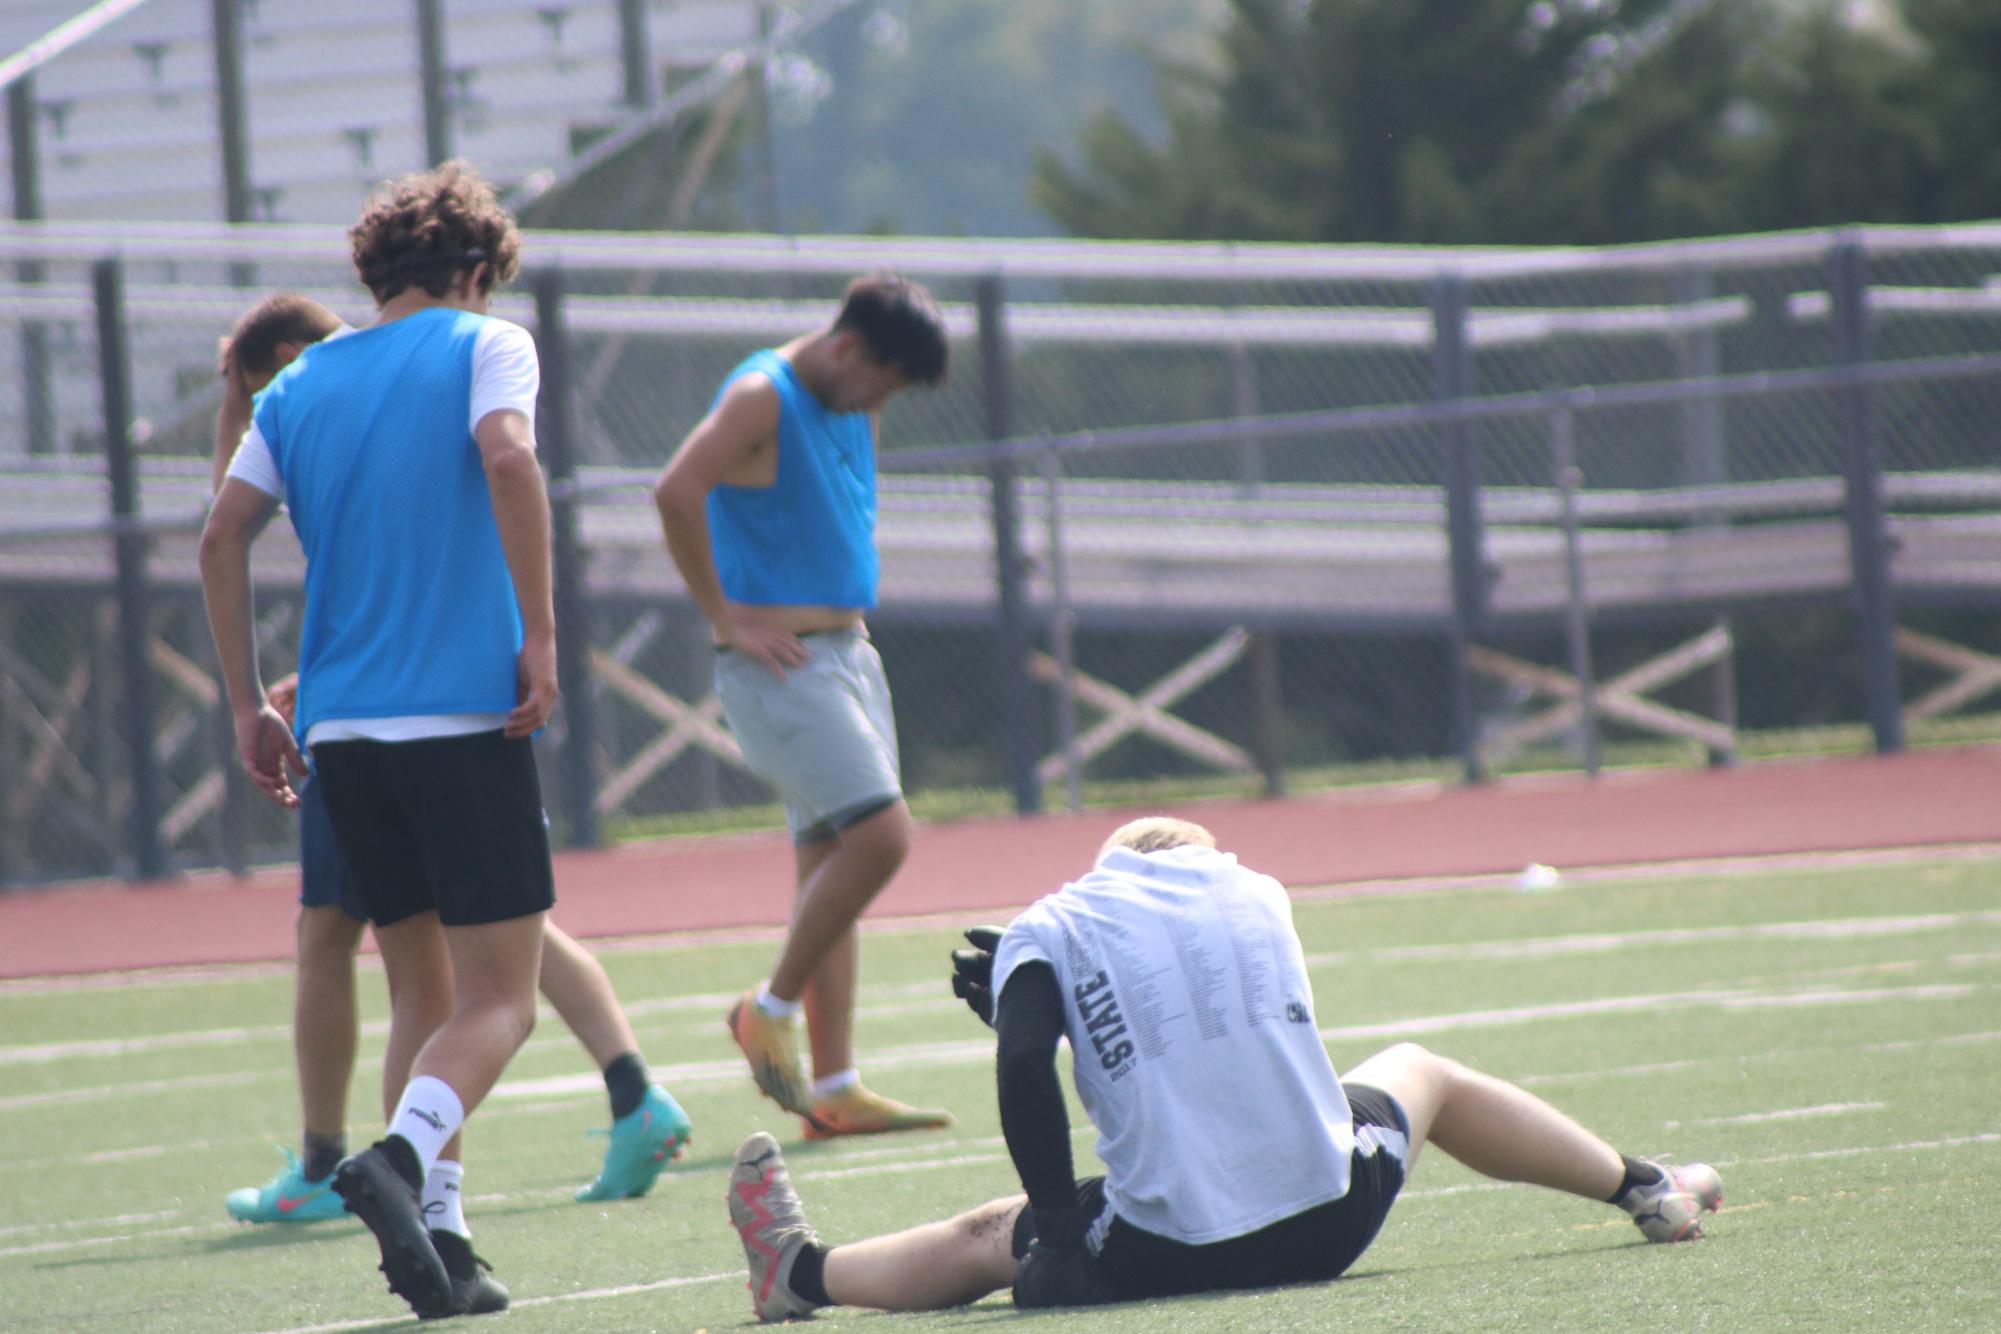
point(402, 1156)
point(808, 1280)
point(322, 1153)
point(627, 1080)
point(1637, 1174)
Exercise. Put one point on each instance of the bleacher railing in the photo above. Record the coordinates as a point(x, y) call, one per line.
point(1161, 532)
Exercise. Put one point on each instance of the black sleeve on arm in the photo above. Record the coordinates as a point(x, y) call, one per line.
point(1029, 1020)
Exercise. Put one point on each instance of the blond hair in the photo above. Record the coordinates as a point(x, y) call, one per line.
point(1157, 833)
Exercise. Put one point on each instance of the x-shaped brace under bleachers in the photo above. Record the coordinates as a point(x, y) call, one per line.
point(1149, 711)
point(1622, 697)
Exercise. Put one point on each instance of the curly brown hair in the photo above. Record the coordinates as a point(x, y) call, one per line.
point(425, 229)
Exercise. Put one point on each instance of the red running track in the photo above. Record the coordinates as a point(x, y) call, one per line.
point(1916, 799)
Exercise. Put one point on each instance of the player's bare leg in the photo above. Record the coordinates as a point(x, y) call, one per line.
point(923, 1268)
point(1493, 1127)
point(829, 996)
point(419, 970)
point(930, 1266)
point(580, 991)
point(495, 967)
point(323, 1017)
point(865, 856)
point(1508, 1133)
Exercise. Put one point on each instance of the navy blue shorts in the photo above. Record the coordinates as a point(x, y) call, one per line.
point(323, 880)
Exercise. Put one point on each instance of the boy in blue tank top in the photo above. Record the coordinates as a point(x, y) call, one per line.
point(405, 454)
point(648, 1126)
point(768, 508)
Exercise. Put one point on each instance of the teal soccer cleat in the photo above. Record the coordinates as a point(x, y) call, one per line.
point(287, 1198)
point(642, 1142)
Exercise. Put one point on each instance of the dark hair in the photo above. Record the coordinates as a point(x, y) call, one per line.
point(899, 323)
point(425, 229)
point(284, 318)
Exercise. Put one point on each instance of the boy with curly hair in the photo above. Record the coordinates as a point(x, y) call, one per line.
point(405, 454)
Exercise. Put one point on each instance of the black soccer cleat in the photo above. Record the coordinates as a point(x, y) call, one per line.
point(475, 1291)
point(381, 1196)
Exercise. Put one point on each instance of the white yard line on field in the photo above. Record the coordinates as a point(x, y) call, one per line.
point(1783, 1114)
point(736, 1275)
point(20, 1101)
point(1606, 942)
point(890, 999)
point(703, 1074)
point(1719, 997)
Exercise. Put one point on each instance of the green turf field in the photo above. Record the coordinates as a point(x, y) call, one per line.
point(1829, 1038)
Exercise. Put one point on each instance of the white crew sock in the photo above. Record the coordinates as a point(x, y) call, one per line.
point(428, 1115)
point(834, 1083)
point(444, 1200)
point(771, 1005)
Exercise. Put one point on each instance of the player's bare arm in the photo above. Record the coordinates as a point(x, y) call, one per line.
point(263, 739)
point(735, 445)
point(232, 418)
point(521, 512)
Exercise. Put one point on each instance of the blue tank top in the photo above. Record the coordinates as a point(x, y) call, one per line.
point(409, 606)
point(808, 539)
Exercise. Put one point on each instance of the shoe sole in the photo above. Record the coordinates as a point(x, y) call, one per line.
point(817, 1129)
point(762, 1073)
point(409, 1261)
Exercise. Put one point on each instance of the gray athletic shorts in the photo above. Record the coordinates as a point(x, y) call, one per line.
point(823, 737)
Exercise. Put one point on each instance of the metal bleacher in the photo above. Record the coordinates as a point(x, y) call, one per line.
point(128, 120)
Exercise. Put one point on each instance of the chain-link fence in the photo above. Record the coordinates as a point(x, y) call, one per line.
point(1185, 519)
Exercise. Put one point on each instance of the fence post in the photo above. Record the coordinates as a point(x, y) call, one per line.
point(1868, 530)
point(1268, 710)
point(1577, 618)
point(129, 550)
point(556, 414)
point(1452, 370)
point(635, 50)
point(1017, 714)
point(9, 753)
point(226, 17)
point(1705, 463)
point(24, 156)
point(1062, 628)
point(431, 77)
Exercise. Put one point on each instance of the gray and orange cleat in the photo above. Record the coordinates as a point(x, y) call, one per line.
point(859, 1111)
point(768, 1045)
point(772, 1223)
point(1671, 1209)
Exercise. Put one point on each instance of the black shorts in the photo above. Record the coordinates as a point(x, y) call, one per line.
point(323, 880)
point(453, 823)
point(1309, 1247)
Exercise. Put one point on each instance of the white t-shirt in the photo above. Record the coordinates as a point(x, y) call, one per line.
point(506, 376)
point(1190, 1020)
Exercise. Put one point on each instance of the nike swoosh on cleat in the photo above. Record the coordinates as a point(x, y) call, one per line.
point(287, 1203)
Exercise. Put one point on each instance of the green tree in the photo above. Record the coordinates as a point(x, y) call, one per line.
point(1956, 91)
point(916, 116)
point(1418, 120)
point(1584, 121)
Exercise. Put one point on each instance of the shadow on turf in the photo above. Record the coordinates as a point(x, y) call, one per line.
point(997, 1309)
